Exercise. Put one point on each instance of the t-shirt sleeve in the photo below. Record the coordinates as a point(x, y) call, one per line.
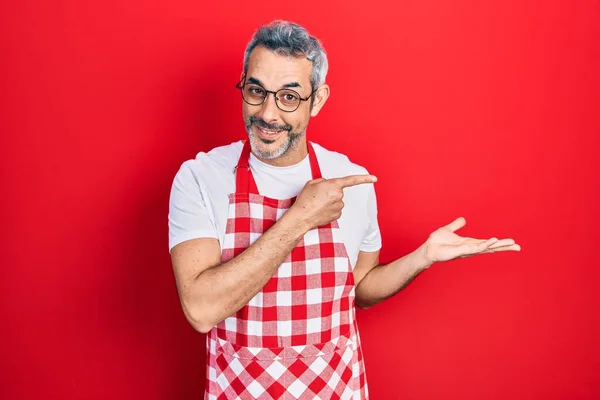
point(189, 217)
point(372, 240)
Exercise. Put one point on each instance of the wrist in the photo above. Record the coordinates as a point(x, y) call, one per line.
point(296, 220)
point(422, 262)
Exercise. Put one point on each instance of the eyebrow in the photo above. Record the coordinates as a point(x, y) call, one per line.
point(287, 85)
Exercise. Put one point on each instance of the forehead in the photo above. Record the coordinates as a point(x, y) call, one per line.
point(275, 70)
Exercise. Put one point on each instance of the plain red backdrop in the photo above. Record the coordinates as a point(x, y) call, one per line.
point(487, 110)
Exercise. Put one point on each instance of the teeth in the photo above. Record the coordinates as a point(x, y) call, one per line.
point(269, 132)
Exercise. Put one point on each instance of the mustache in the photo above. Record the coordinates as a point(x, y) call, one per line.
point(272, 127)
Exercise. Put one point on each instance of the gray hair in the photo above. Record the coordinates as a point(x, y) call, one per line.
point(292, 40)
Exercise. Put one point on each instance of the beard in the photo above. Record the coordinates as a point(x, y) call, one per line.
point(292, 139)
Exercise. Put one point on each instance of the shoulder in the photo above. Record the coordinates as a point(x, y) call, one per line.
point(208, 172)
point(221, 157)
point(210, 164)
point(334, 164)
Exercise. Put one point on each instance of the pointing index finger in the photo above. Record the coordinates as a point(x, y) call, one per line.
point(353, 180)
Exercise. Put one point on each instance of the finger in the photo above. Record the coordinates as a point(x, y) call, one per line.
point(513, 247)
point(471, 248)
point(469, 240)
point(456, 224)
point(498, 242)
point(353, 180)
point(502, 243)
point(476, 248)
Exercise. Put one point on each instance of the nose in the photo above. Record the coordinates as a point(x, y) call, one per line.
point(268, 110)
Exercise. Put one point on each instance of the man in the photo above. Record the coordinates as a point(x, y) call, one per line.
point(274, 239)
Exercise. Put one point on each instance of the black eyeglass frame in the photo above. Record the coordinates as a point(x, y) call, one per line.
point(240, 86)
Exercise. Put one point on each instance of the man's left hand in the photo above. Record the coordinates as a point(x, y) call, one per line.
point(445, 245)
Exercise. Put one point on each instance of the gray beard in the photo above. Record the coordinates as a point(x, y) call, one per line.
point(290, 143)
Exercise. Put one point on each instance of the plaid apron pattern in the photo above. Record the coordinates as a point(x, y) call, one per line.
point(297, 338)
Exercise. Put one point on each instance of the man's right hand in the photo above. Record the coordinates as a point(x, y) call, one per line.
point(321, 200)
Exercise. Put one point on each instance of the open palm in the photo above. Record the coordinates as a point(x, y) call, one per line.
point(445, 245)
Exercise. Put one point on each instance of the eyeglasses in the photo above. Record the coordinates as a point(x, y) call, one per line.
point(286, 99)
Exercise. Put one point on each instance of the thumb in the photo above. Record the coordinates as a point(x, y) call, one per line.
point(456, 224)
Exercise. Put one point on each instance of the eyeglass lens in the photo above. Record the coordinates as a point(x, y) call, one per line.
point(286, 99)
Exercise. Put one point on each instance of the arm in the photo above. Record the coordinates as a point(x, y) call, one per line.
point(210, 291)
point(376, 283)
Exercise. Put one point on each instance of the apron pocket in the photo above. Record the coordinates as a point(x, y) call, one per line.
point(312, 371)
point(250, 373)
point(325, 370)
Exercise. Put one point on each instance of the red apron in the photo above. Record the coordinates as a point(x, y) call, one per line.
point(297, 338)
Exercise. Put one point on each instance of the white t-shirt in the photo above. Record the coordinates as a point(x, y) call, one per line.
point(199, 200)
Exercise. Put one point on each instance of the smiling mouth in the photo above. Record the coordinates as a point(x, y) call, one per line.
point(268, 136)
point(269, 131)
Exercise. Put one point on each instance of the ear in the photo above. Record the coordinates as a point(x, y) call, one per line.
point(320, 97)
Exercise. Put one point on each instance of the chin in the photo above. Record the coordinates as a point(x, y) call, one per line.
point(268, 149)
point(267, 141)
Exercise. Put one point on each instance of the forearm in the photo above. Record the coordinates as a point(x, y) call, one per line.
point(384, 281)
point(225, 289)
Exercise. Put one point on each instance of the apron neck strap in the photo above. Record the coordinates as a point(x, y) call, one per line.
point(244, 180)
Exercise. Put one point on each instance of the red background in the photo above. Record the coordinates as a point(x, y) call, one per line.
point(487, 110)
